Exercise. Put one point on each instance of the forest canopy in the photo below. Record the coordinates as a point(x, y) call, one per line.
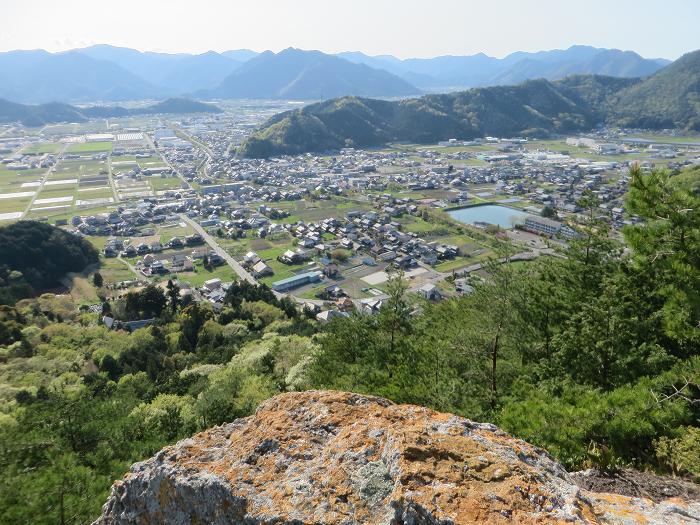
point(34, 256)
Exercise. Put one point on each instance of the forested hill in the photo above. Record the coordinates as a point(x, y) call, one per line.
point(34, 256)
point(534, 108)
point(307, 75)
point(531, 109)
point(38, 115)
point(668, 99)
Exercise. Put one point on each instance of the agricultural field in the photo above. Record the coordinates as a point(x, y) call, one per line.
point(586, 153)
point(12, 208)
point(477, 148)
point(166, 232)
point(82, 291)
point(13, 181)
point(201, 275)
point(43, 147)
point(53, 215)
point(151, 162)
point(90, 147)
point(72, 186)
point(312, 211)
point(159, 183)
point(667, 139)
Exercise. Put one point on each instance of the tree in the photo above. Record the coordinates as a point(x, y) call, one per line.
point(495, 305)
point(97, 280)
point(11, 325)
point(145, 303)
point(666, 247)
point(339, 255)
point(394, 321)
point(549, 211)
point(592, 255)
point(612, 339)
point(192, 318)
point(681, 454)
point(545, 303)
point(173, 294)
point(109, 365)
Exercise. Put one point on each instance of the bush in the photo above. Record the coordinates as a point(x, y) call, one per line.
point(682, 454)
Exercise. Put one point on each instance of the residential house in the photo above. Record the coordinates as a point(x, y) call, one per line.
point(260, 269)
point(430, 292)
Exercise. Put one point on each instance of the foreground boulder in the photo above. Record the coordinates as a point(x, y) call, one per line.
point(338, 458)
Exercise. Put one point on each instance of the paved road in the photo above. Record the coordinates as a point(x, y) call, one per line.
point(44, 178)
point(194, 140)
point(199, 144)
point(149, 141)
point(211, 241)
point(131, 267)
point(110, 178)
point(7, 131)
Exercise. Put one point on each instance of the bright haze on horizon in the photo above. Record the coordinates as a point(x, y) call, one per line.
point(409, 28)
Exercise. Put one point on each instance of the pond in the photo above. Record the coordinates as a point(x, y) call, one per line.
point(490, 213)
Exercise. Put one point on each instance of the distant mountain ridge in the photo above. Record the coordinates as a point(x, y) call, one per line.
point(39, 76)
point(53, 112)
point(109, 73)
point(298, 74)
point(669, 98)
point(481, 70)
point(172, 74)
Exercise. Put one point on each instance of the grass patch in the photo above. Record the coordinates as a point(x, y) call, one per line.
point(13, 205)
point(90, 147)
point(159, 183)
point(113, 270)
point(201, 275)
point(44, 147)
point(82, 291)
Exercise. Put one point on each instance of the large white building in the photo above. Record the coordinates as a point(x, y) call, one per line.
point(548, 227)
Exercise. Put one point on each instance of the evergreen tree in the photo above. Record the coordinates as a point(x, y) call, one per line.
point(173, 294)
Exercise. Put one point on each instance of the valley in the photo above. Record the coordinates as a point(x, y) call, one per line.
point(366, 263)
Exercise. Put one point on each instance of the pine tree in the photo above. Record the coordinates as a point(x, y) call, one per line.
point(173, 294)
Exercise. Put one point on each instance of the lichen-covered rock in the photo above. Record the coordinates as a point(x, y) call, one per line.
point(323, 457)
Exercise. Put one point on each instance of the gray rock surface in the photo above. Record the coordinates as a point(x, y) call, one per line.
point(336, 458)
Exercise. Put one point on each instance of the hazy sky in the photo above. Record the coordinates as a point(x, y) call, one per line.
point(405, 28)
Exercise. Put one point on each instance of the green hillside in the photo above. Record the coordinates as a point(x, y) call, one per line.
point(534, 108)
point(34, 256)
point(41, 114)
point(668, 99)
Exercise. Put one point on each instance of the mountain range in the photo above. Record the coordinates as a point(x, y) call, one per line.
point(109, 73)
point(297, 74)
point(52, 112)
point(534, 108)
point(481, 70)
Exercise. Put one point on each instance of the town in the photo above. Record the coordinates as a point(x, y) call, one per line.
point(167, 198)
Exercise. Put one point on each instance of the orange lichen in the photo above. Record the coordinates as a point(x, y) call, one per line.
point(334, 457)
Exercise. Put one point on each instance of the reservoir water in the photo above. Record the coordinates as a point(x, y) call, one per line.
point(491, 213)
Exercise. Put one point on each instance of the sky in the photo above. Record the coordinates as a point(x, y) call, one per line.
point(403, 28)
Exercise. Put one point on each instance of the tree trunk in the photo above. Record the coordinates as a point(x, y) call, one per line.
point(494, 362)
